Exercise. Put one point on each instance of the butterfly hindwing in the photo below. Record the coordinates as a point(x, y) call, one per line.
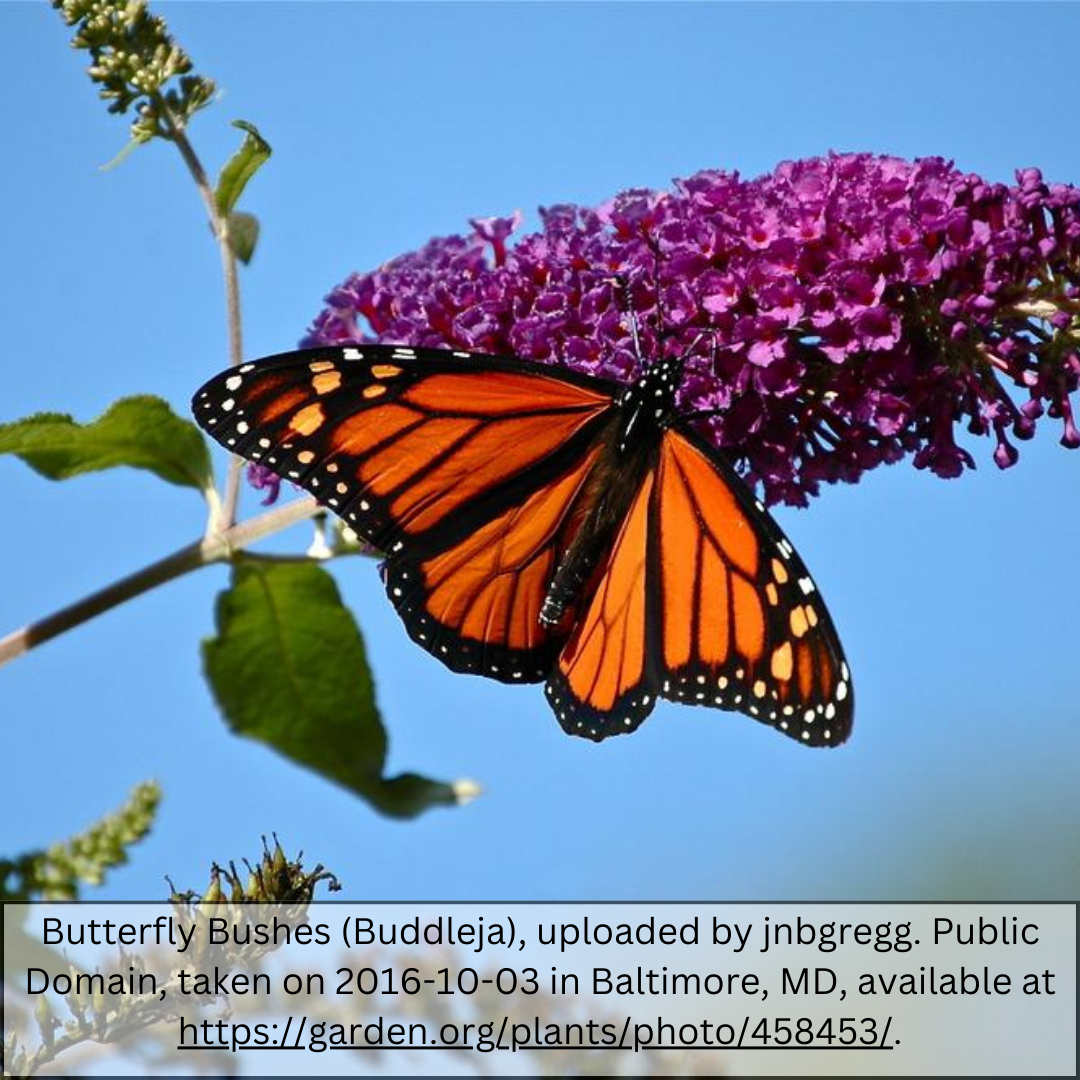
point(475, 603)
point(604, 682)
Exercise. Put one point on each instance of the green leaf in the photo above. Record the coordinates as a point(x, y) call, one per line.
point(241, 167)
point(288, 667)
point(243, 235)
point(132, 145)
point(141, 431)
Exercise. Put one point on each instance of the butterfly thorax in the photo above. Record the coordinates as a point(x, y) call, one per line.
point(647, 406)
point(628, 451)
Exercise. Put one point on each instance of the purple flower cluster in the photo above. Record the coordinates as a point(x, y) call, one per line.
point(838, 313)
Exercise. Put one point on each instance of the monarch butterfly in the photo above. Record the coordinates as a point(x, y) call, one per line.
point(543, 524)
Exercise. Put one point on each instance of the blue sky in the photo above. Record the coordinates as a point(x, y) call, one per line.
point(393, 123)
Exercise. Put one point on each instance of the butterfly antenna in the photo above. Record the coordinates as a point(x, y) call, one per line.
point(634, 332)
point(661, 323)
point(663, 331)
point(627, 304)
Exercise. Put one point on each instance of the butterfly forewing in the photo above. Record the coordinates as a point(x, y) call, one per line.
point(404, 444)
point(475, 603)
point(604, 683)
point(739, 623)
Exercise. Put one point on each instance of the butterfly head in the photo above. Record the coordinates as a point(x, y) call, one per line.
point(647, 405)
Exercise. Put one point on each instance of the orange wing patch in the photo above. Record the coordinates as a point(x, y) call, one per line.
point(481, 458)
point(476, 604)
point(503, 394)
point(602, 685)
point(741, 624)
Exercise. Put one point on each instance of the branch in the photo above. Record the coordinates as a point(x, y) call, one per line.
point(220, 227)
point(213, 548)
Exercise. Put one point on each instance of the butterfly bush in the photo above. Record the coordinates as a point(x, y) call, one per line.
point(838, 313)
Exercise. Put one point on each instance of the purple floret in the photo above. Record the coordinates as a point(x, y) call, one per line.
point(263, 479)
